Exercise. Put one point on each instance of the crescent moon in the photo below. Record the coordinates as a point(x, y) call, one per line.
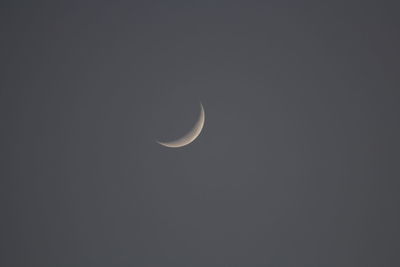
point(190, 136)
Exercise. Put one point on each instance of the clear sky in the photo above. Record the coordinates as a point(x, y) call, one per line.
point(297, 164)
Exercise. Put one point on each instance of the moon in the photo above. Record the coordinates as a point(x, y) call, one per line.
point(191, 135)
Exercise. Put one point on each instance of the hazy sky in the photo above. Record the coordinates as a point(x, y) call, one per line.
point(297, 164)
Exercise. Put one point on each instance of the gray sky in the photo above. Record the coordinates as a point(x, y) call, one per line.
point(297, 164)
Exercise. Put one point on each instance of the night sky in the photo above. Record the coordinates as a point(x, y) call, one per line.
point(297, 165)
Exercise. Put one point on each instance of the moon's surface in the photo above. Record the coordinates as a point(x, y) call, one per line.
point(190, 136)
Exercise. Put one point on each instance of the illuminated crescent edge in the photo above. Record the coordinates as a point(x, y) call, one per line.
point(190, 136)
